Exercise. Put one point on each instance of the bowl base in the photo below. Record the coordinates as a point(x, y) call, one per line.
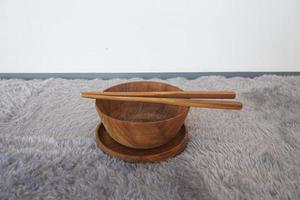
point(112, 148)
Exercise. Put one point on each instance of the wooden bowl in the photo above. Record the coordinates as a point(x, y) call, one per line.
point(141, 125)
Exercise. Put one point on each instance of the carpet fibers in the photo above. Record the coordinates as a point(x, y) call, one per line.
point(48, 151)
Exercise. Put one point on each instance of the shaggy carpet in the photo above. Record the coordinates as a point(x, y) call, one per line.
point(48, 151)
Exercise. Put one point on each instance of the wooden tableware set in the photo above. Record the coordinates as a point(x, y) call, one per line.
point(143, 121)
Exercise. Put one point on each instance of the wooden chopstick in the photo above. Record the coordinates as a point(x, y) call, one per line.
point(171, 94)
point(171, 101)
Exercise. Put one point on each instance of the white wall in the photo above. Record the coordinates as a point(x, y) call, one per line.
point(149, 35)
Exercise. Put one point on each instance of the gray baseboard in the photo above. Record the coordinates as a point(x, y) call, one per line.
point(164, 75)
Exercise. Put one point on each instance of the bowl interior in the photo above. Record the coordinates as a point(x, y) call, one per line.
point(138, 111)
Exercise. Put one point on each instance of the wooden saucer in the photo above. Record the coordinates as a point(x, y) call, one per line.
point(112, 148)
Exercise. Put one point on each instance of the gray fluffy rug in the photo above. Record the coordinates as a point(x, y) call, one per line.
point(47, 147)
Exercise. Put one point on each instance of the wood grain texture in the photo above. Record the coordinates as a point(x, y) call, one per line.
point(112, 148)
point(232, 105)
point(137, 124)
point(170, 94)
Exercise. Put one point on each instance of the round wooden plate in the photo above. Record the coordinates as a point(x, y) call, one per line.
point(112, 148)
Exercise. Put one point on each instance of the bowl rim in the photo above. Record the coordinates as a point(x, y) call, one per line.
point(137, 122)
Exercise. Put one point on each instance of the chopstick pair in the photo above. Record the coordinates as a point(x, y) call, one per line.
point(178, 98)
